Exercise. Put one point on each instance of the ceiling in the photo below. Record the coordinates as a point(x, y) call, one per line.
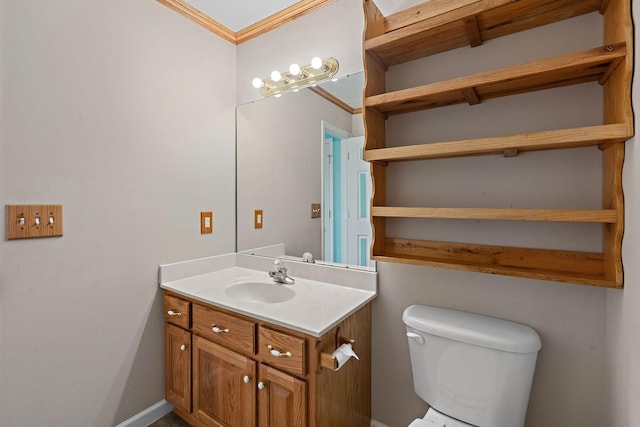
point(241, 20)
point(239, 14)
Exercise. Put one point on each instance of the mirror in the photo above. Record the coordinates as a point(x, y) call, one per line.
point(294, 153)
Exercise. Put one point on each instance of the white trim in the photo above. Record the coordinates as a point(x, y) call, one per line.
point(376, 423)
point(149, 415)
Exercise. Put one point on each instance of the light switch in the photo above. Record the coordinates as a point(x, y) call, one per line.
point(257, 218)
point(206, 222)
point(26, 221)
point(316, 212)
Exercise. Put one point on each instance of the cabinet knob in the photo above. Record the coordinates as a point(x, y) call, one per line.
point(183, 347)
point(246, 379)
point(174, 313)
point(276, 353)
point(260, 385)
point(218, 330)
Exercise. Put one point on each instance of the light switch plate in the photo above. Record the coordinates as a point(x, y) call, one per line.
point(31, 221)
point(316, 211)
point(206, 222)
point(258, 218)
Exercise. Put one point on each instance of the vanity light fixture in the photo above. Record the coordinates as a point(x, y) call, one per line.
point(298, 77)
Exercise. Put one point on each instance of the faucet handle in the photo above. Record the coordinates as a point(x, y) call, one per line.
point(278, 265)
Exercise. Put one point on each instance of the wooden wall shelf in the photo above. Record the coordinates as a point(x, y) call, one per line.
point(604, 216)
point(582, 67)
point(603, 136)
point(440, 25)
point(563, 266)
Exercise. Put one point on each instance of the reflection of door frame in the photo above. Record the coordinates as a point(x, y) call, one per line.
point(357, 197)
point(327, 128)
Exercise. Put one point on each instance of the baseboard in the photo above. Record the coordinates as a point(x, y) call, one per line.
point(149, 415)
point(162, 408)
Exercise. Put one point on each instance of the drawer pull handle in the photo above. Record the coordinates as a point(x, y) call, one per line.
point(183, 347)
point(174, 313)
point(218, 330)
point(260, 385)
point(277, 353)
point(246, 379)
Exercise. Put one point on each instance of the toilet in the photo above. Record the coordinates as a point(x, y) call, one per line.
point(472, 370)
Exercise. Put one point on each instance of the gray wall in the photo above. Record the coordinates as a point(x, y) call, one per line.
point(122, 111)
point(119, 111)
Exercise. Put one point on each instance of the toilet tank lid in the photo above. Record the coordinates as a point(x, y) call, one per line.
point(473, 328)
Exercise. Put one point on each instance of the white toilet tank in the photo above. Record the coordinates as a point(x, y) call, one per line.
point(473, 368)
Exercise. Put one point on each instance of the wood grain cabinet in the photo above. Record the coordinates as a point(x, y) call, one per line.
point(178, 366)
point(441, 25)
point(229, 370)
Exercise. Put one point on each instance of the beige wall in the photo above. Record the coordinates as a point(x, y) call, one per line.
point(122, 111)
point(114, 110)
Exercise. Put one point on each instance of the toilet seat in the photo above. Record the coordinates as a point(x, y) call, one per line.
point(434, 418)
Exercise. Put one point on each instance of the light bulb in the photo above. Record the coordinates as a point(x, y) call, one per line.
point(276, 76)
point(257, 83)
point(295, 69)
point(316, 62)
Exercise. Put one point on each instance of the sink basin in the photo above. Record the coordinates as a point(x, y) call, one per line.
point(259, 292)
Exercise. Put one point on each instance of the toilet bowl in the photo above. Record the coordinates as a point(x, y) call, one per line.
point(434, 418)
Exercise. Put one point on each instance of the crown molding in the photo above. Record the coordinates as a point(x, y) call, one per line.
point(270, 23)
point(335, 100)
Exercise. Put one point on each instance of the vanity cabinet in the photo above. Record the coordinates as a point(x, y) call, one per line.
point(237, 371)
point(177, 352)
point(224, 386)
point(178, 366)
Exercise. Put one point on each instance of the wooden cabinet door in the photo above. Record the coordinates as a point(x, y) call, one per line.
point(282, 399)
point(224, 386)
point(178, 367)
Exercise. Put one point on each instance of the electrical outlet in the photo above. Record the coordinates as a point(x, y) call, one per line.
point(257, 218)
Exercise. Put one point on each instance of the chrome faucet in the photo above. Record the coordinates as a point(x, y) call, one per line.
point(279, 273)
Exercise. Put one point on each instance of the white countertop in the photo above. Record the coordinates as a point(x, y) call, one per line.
point(315, 308)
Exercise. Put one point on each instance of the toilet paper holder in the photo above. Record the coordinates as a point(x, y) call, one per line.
point(329, 360)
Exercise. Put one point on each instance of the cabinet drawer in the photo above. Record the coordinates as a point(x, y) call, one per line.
point(282, 350)
point(177, 311)
point(225, 329)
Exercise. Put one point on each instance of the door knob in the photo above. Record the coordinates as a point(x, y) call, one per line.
point(260, 385)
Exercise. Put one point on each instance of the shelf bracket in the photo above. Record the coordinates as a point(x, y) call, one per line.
point(381, 163)
point(610, 70)
point(470, 95)
point(473, 31)
point(510, 152)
